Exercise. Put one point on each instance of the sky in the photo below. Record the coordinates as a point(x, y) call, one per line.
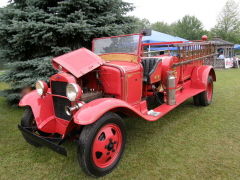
point(170, 11)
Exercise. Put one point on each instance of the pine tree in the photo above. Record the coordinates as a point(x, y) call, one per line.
point(32, 32)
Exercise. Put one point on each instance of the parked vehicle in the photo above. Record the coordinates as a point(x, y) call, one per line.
point(83, 99)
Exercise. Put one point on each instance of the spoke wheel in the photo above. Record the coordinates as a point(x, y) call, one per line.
point(101, 145)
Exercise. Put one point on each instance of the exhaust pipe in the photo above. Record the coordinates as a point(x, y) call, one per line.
point(171, 88)
point(69, 110)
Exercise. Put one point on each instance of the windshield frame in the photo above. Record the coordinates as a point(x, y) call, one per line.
point(138, 45)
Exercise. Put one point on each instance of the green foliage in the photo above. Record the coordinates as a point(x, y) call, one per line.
point(189, 27)
point(32, 30)
point(163, 27)
point(28, 72)
point(228, 23)
point(141, 24)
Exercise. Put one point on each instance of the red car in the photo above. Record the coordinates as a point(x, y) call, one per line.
point(84, 99)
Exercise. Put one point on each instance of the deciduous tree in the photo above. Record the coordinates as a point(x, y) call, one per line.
point(141, 24)
point(163, 27)
point(189, 27)
point(228, 22)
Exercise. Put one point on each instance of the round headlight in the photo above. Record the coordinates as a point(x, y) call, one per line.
point(74, 91)
point(41, 87)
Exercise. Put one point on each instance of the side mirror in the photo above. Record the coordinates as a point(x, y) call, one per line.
point(146, 32)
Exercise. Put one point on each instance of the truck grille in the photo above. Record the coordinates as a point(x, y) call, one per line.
point(59, 88)
point(59, 107)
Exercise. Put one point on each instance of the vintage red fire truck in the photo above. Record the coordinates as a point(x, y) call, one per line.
point(84, 98)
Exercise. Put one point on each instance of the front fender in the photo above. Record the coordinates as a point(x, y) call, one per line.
point(42, 107)
point(200, 75)
point(30, 99)
point(93, 110)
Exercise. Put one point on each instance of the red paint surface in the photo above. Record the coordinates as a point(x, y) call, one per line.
point(78, 62)
point(121, 80)
point(107, 156)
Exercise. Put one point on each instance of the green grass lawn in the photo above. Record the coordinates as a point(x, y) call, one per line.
point(1, 72)
point(188, 143)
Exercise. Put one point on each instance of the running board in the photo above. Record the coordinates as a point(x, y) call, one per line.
point(165, 108)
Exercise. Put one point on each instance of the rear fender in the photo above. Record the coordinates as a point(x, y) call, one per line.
point(200, 75)
point(93, 110)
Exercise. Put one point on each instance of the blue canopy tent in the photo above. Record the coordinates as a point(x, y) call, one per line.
point(161, 37)
point(236, 46)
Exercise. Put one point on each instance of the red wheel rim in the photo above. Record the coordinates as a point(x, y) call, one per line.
point(107, 145)
point(209, 91)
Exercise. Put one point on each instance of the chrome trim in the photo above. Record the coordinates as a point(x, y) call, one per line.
point(69, 110)
point(75, 88)
point(42, 87)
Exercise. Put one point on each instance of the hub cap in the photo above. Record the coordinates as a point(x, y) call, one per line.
point(106, 145)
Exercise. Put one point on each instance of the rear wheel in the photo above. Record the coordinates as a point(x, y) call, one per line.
point(196, 100)
point(205, 97)
point(101, 145)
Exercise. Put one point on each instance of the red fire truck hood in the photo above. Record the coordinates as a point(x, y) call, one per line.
point(78, 62)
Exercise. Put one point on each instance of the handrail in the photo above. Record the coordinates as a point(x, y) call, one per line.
point(192, 60)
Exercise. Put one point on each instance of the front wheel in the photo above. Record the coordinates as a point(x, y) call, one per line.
point(29, 121)
point(101, 145)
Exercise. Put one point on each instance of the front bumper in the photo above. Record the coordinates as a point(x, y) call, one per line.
point(43, 141)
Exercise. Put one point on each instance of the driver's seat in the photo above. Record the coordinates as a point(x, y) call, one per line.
point(151, 69)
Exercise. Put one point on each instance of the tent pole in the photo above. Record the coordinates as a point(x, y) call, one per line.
point(148, 50)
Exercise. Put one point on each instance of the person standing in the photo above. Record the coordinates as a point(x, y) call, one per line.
point(221, 56)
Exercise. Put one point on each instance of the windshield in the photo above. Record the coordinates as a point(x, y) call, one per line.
point(123, 44)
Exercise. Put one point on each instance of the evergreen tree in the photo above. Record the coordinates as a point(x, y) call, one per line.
point(32, 32)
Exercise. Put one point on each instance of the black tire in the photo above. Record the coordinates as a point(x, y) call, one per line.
point(205, 98)
point(196, 100)
point(28, 120)
point(122, 115)
point(101, 145)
